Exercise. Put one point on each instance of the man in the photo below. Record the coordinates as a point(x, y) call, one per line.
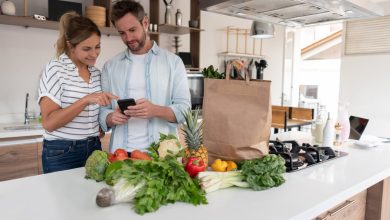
point(154, 77)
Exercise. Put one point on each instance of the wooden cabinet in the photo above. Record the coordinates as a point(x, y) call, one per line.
point(25, 159)
point(378, 201)
point(19, 160)
point(40, 148)
point(353, 208)
point(106, 142)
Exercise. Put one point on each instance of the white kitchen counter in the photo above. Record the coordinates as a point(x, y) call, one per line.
point(306, 194)
point(4, 133)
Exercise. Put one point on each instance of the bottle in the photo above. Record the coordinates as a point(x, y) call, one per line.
point(178, 17)
point(328, 134)
point(343, 119)
point(168, 12)
point(318, 126)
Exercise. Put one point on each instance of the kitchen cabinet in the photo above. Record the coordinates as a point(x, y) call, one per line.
point(106, 142)
point(378, 201)
point(18, 160)
point(353, 208)
point(40, 147)
point(22, 157)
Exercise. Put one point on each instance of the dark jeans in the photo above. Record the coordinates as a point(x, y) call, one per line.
point(60, 155)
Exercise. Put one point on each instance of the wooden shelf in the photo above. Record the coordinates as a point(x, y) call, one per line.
point(227, 54)
point(178, 30)
point(53, 25)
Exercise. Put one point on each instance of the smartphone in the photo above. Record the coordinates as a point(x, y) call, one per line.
point(124, 103)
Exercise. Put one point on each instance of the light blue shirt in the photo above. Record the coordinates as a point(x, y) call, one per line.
point(166, 85)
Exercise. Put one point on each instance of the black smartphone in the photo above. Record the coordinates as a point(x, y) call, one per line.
point(124, 103)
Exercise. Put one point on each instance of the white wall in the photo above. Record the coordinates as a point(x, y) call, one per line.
point(364, 82)
point(23, 54)
point(213, 41)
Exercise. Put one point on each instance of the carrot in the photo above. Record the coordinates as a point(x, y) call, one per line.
point(138, 155)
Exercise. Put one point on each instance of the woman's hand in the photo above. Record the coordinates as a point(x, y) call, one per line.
point(101, 98)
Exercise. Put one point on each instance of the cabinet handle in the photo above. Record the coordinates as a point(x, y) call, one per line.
point(340, 208)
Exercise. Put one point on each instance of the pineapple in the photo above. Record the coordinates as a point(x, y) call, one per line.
point(193, 136)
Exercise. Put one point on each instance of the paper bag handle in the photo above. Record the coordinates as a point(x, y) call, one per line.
point(229, 68)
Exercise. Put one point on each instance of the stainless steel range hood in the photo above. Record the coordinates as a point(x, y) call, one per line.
point(294, 12)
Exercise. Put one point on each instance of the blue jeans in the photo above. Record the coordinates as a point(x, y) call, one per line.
point(60, 155)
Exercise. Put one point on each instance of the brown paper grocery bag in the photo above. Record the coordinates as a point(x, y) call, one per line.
point(237, 118)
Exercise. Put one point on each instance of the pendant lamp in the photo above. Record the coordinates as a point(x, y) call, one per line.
point(262, 30)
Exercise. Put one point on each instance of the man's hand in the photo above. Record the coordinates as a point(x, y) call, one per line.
point(116, 118)
point(143, 109)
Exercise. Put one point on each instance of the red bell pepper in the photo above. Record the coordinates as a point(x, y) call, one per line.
point(194, 166)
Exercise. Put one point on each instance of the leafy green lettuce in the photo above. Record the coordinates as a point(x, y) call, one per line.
point(264, 173)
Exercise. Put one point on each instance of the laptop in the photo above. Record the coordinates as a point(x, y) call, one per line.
point(357, 127)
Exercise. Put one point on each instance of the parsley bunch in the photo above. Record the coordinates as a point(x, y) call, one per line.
point(165, 182)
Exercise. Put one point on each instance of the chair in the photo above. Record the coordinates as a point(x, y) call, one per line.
point(281, 108)
point(279, 120)
point(301, 114)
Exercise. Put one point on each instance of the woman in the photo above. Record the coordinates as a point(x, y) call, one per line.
point(70, 95)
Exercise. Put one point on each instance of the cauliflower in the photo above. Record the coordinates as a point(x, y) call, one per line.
point(170, 146)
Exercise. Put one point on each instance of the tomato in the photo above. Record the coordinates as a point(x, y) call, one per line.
point(120, 153)
point(121, 157)
point(111, 157)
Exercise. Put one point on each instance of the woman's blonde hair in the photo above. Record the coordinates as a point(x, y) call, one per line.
point(74, 29)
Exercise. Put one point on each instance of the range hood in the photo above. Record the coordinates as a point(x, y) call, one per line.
point(294, 13)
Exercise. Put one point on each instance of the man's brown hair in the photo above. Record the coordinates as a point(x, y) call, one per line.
point(121, 8)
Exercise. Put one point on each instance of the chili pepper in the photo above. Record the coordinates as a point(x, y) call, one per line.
point(194, 166)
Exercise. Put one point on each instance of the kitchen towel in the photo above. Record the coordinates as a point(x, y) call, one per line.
point(237, 117)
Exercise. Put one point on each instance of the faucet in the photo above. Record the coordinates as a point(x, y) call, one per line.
point(27, 117)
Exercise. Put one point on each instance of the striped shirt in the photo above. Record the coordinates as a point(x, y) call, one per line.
point(61, 82)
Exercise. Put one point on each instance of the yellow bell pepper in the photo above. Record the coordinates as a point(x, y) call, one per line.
point(231, 166)
point(219, 165)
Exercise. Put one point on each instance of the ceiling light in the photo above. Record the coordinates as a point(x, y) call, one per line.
point(262, 30)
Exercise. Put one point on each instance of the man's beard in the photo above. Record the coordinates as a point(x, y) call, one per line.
point(141, 43)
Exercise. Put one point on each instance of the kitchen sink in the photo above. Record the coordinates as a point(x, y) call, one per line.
point(23, 127)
